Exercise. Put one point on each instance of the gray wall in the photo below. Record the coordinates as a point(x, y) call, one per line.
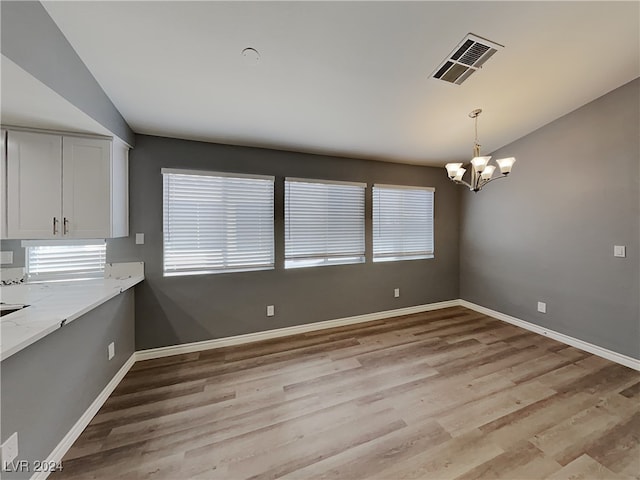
point(49, 385)
point(14, 246)
point(183, 309)
point(32, 40)
point(547, 232)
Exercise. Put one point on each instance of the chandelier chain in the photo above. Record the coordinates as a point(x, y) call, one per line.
point(476, 123)
point(476, 128)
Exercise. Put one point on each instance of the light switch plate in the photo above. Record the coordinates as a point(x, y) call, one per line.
point(139, 238)
point(542, 307)
point(270, 311)
point(111, 350)
point(619, 251)
point(6, 258)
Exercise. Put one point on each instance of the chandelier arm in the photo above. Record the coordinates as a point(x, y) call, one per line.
point(494, 178)
point(462, 182)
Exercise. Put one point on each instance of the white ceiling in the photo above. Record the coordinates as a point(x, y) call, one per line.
point(350, 78)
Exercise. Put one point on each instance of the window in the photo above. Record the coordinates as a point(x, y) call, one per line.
point(324, 222)
point(402, 223)
point(216, 222)
point(64, 260)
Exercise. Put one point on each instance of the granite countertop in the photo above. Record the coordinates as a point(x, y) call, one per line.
point(51, 306)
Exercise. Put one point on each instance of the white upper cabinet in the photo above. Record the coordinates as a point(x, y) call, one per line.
point(86, 187)
point(34, 185)
point(61, 186)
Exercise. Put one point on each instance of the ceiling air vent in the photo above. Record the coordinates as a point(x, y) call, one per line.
point(468, 56)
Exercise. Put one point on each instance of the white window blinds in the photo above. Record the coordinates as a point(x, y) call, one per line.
point(217, 222)
point(402, 223)
point(324, 222)
point(69, 261)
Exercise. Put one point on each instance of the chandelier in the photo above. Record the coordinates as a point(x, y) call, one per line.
point(481, 171)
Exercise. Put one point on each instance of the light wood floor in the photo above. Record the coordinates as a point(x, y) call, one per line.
point(438, 395)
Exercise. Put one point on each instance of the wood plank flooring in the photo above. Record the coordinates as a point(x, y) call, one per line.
point(448, 394)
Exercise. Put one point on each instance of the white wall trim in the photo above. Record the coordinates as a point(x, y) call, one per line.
point(561, 337)
point(287, 331)
point(72, 435)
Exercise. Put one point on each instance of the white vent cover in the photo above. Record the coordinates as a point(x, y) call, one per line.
point(468, 56)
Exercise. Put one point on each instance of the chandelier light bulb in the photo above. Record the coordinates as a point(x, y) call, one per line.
point(479, 163)
point(487, 173)
point(452, 169)
point(505, 164)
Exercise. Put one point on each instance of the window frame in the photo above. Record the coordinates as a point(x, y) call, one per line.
point(61, 277)
point(401, 255)
point(226, 269)
point(292, 261)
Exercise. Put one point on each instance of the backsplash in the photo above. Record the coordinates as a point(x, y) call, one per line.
point(14, 246)
point(11, 275)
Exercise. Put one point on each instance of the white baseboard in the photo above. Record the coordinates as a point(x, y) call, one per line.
point(287, 331)
point(561, 337)
point(73, 434)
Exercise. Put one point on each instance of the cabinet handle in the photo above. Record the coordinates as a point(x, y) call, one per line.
point(55, 226)
point(65, 226)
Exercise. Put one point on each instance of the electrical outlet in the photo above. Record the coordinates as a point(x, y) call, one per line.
point(542, 307)
point(6, 258)
point(396, 292)
point(619, 251)
point(111, 350)
point(10, 449)
point(139, 238)
point(270, 311)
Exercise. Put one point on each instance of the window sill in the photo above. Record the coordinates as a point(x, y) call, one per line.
point(400, 259)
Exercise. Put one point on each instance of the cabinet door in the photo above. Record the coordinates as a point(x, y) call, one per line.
point(34, 195)
point(86, 187)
